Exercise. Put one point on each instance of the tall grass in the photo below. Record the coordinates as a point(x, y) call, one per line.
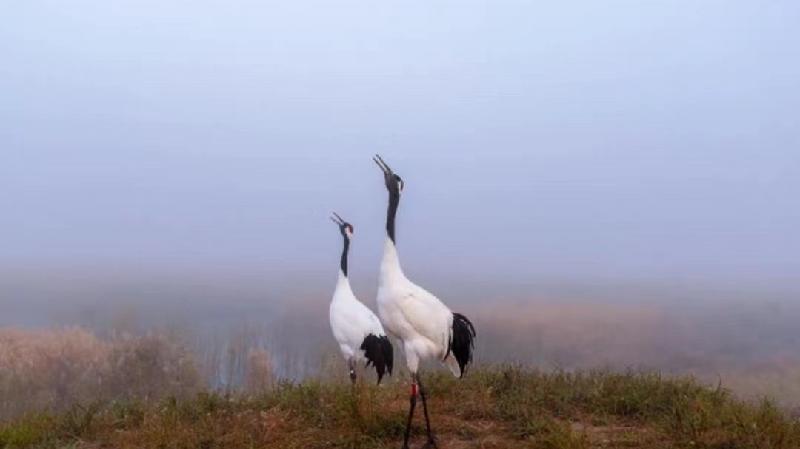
point(502, 407)
point(56, 368)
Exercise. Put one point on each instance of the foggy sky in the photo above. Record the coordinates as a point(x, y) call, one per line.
point(613, 140)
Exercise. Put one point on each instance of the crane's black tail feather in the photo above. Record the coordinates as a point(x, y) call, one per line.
point(462, 341)
point(379, 353)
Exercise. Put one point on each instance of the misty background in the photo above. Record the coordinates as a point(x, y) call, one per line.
point(578, 176)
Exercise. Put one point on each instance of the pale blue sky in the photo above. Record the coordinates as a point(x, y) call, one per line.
point(615, 139)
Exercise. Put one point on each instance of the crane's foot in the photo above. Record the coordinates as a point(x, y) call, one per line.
point(431, 444)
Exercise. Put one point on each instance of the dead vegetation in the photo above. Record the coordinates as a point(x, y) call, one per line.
point(53, 369)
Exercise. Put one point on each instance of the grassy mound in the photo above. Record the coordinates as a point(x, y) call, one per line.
point(491, 408)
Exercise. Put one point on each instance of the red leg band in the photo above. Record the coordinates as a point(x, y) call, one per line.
point(413, 389)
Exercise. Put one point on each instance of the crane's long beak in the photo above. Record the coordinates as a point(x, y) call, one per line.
point(337, 219)
point(383, 165)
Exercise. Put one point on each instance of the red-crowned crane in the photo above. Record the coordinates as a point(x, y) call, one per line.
point(424, 325)
point(357, 330)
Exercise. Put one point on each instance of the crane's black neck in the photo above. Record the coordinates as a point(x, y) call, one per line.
point(394, 201)
point(343, 263)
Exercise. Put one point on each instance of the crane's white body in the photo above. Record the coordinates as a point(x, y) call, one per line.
point(418, 318)
point(351, 320)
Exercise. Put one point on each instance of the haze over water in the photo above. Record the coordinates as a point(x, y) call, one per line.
point(175, 162)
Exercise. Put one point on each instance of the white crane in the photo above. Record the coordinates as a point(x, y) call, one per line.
point(425, 326)
point(357, 330)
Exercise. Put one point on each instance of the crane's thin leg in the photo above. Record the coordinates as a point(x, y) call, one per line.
point(352, 364)
point(431, 440)
point(413, 404)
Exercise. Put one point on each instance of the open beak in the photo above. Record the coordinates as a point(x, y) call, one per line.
point(337, 219)
point(379, 160)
